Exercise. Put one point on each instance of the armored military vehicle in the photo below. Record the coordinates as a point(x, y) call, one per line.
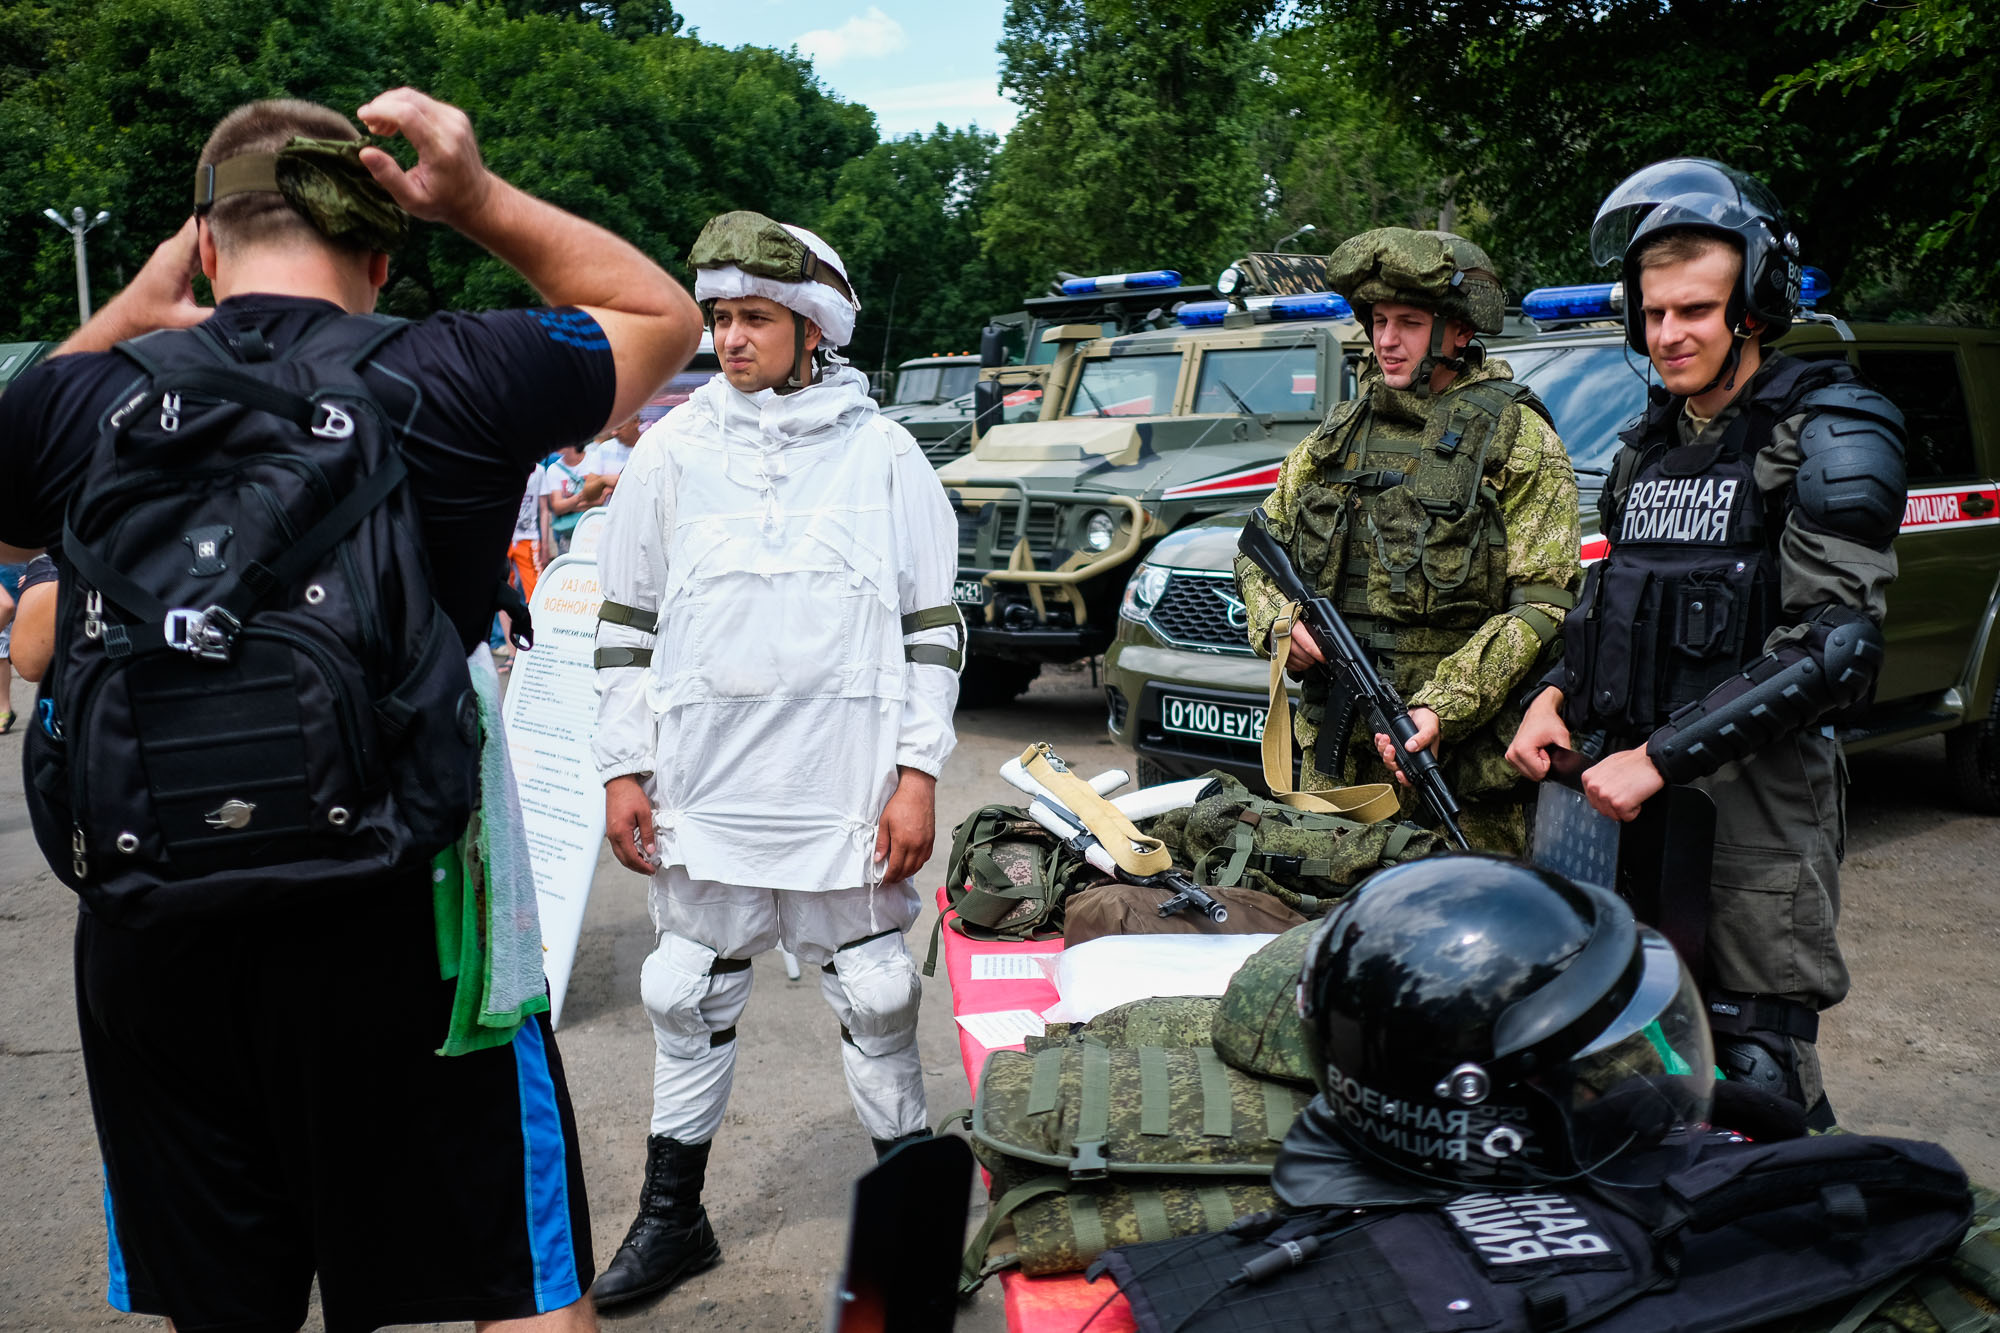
point(933, 401)
point(1093, 452)
point(1185, 691)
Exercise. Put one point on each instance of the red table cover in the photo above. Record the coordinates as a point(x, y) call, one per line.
point(1034, 1304)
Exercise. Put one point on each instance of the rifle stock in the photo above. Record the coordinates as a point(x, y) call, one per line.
point(1343, 653)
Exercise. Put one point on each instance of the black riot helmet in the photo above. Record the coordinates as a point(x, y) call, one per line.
point(1699, 193)
point(1474, 1021)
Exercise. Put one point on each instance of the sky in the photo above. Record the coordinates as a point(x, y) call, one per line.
point(914, 65)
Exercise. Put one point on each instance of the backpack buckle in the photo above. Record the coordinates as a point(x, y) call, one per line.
point(1277, 864)
point(1087, 1161)
point(209, 634)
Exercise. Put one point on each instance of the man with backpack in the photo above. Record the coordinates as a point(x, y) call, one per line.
point(279, 526)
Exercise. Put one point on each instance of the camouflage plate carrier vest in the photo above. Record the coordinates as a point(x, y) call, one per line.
point(1403, 529)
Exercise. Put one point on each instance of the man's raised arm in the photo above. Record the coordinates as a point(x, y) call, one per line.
point(651, 322)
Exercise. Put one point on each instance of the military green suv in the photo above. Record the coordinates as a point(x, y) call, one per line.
point(1132, 437)
point(1187, 694)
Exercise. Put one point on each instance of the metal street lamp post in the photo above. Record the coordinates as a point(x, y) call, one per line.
point(1305, 230)
point(78, 227)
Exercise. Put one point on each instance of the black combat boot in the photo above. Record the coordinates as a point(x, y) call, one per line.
point(670, 1239)
point(883, 1147)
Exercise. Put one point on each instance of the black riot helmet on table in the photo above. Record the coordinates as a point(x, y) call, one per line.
point(1479, 1022)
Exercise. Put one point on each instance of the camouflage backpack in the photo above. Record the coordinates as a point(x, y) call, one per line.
point(1307, 860)
point(1092, 1146)
point(1007, 879)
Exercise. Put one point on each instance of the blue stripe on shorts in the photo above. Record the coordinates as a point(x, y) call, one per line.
point(118, 1292)
point(550, 1244)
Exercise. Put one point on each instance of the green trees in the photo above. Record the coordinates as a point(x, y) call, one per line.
point(1133, 147)
point(1154, 133)
point(601, 108)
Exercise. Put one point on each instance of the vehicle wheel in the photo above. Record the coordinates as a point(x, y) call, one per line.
point(994, 682)
point(1151, 774)
point(1973, 754)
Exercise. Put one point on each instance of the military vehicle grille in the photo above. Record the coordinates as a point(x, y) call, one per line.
point(1201, 611)
point(939, 452)
point(1041, 532)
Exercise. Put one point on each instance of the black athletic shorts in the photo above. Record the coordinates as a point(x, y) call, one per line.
point(270, 1106)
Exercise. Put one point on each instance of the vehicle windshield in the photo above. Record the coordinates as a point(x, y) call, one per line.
point(1591, 392)
point(955, 380)
point(1126, 386)
point(918, 384)
point(1259, 380)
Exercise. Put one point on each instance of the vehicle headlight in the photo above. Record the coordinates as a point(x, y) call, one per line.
point(1143, 590)
point(1098, 531)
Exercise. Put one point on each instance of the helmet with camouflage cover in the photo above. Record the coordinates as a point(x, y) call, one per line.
point(1258, 1028)
point(1433, 270)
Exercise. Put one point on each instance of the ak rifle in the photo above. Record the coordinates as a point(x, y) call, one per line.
point(1345, 657)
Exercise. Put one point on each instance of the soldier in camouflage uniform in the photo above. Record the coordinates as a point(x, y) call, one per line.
point(1437, 508)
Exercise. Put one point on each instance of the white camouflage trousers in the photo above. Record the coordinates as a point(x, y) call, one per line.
point(696, 983)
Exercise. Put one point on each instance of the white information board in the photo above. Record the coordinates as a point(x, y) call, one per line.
point(588, 533)
point(550, 713)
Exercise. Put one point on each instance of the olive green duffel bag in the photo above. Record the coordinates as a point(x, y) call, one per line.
point(1093, 1146)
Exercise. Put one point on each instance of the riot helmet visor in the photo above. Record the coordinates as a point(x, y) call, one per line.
point(1632, 1098)
point(1693, 191)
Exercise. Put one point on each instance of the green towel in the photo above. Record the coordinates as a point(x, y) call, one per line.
point(483, 896)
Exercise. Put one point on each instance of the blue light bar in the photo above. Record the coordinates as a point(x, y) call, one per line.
point(1311, 305)
point(1120, 282)
point(1194, 314)
point(1814, 284)
point(1597, 300)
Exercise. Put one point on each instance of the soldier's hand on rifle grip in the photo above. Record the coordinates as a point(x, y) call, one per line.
point(1425, 739)
point(1542, 726)
point(1305, 654)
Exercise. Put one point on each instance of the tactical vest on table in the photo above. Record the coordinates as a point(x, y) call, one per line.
point(1690, 588)
point(1743, 1237)
point(1401, 527)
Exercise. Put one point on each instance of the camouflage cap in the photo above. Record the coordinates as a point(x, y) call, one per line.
point(321, 178)
point(1434, 270)
point(1257, 1027)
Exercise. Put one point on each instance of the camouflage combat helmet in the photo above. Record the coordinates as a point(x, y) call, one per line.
point(1258, 1029)
point(1433, 270)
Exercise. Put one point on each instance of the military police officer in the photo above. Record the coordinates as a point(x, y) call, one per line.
point(1438, 509)
point(1750, 515)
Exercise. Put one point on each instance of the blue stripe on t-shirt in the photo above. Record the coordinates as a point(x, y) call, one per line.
point(551, 1246)
point(118, 1291)
point(572, 328)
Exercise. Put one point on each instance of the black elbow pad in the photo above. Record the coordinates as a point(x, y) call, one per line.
point(1851, 481)
point(1779, 692)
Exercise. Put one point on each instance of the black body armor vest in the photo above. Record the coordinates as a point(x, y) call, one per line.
point(1743, 1235)
point(1690, 588)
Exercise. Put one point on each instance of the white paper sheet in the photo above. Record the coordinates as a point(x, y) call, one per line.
point(1012, 966)
point(1008, 1027)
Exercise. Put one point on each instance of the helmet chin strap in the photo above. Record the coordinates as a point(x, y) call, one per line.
point(792, 382)
point(1727, 371)
point(1420, 383)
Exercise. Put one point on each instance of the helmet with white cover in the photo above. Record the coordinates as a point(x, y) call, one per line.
point(747, 254)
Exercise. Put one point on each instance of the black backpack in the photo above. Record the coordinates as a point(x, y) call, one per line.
point(254, 696)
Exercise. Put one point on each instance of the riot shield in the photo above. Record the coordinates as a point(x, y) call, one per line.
point(1659, 863)
point(905, 1231)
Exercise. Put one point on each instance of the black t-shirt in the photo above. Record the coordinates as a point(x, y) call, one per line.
point(499, 390)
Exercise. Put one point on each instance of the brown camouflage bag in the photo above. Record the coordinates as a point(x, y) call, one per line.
point(1305, 859)
point(1093, 1146)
